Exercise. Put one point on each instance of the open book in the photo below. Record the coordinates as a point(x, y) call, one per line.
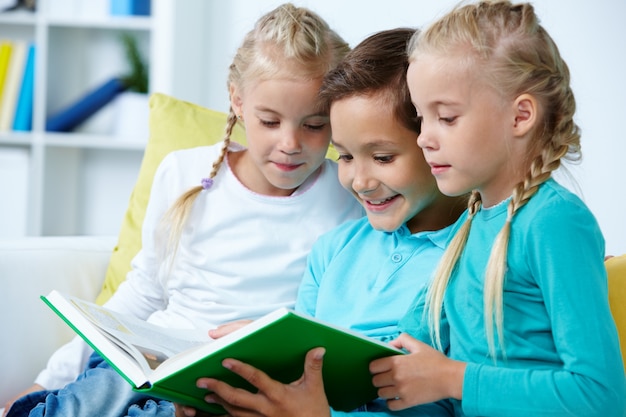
point(166, 363)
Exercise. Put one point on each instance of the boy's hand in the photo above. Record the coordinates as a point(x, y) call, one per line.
point(302, 398)
point(424, 375)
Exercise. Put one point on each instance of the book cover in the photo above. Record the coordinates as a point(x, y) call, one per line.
point(23, 120)
point(277, 344)
point(12, 83)
point(5, 56)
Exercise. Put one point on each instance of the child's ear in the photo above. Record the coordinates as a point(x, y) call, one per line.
point(526, 114)
point(235, 99)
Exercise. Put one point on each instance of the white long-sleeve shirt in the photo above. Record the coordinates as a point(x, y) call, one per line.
point(241, 254)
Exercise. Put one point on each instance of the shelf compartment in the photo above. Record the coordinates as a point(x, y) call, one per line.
point(91, 141)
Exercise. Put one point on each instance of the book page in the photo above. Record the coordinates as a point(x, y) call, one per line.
point(135, 336)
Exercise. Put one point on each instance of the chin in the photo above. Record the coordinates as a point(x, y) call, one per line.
point(383, 227)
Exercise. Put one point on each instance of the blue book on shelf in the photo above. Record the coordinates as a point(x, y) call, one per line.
point(130, 7)
point(24, 109)
point(85, 107)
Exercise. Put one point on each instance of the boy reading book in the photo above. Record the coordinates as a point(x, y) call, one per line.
point(365, 273)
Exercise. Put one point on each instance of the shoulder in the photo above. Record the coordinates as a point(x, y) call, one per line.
point(203, 154)
point(558, 219)
point(345, 232)
point(192, 161)
point(554, 205)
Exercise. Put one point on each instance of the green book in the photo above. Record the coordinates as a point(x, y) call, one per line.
point(166, 363)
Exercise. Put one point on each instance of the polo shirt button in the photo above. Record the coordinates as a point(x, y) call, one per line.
point(396, 257)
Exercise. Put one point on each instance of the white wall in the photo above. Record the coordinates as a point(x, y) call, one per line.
point(590, 35)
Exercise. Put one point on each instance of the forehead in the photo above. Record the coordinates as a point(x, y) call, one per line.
point(292, 89)
point(432, 75)
point(367, 122)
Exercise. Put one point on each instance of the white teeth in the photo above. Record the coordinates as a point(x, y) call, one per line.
point(379, 202)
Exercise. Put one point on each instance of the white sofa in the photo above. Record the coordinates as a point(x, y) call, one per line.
point(31, 267)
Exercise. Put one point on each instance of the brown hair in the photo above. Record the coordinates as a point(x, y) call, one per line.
point(376, 66)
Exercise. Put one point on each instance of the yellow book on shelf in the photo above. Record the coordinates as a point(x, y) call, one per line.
point(5, 55)
point(12, 84)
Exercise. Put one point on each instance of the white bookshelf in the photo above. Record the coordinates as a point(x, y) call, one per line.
point(79, 183)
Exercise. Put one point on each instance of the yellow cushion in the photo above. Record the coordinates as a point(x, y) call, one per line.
point(174, 124)
point(616, 268)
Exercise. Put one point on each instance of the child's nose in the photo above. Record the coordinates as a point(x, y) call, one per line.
point(362, 182)
point(425, 140)
point(290, 142)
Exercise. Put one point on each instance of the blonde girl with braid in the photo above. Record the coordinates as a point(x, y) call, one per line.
point(227, 229)
point(516, 320)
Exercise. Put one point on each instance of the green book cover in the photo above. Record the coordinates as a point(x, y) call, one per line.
point(277, 344)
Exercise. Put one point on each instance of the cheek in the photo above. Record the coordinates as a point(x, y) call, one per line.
point(421, 180)
point(345, 179)
point(320, 140)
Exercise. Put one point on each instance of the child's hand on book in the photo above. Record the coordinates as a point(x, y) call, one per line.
point(227, 328)
point(424, 375)
point(302, 398)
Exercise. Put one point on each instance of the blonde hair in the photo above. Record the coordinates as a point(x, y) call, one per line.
point(506, 44)
point(288, 41)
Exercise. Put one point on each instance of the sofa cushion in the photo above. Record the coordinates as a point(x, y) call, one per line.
point(174, 124)
point(31, 267)
point(616, 269)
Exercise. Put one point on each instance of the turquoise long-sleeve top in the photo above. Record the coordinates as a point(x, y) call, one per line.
point(366, 280)
point(561, 344)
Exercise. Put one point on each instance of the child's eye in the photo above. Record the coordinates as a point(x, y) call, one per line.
point(269, 123)
point(344, 157)
point(448, 120)
point(316, 127)
point(384, 159)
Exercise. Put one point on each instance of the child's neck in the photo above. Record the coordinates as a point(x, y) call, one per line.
point(440, 214)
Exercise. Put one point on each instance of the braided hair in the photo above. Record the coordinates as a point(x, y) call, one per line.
point(510, 48)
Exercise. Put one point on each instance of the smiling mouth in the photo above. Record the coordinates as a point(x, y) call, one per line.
point(380, 202)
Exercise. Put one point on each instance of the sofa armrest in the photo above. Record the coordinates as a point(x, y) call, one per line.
point(31, 267)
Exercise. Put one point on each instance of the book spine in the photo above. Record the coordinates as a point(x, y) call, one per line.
point(5, 56)
point(24, 109)
point(12, 85)
point(130, 7)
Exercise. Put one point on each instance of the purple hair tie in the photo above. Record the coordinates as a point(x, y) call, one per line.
point(206, 183)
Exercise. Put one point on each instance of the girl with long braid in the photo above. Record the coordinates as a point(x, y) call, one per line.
point(227, 229)
point(517, 313)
